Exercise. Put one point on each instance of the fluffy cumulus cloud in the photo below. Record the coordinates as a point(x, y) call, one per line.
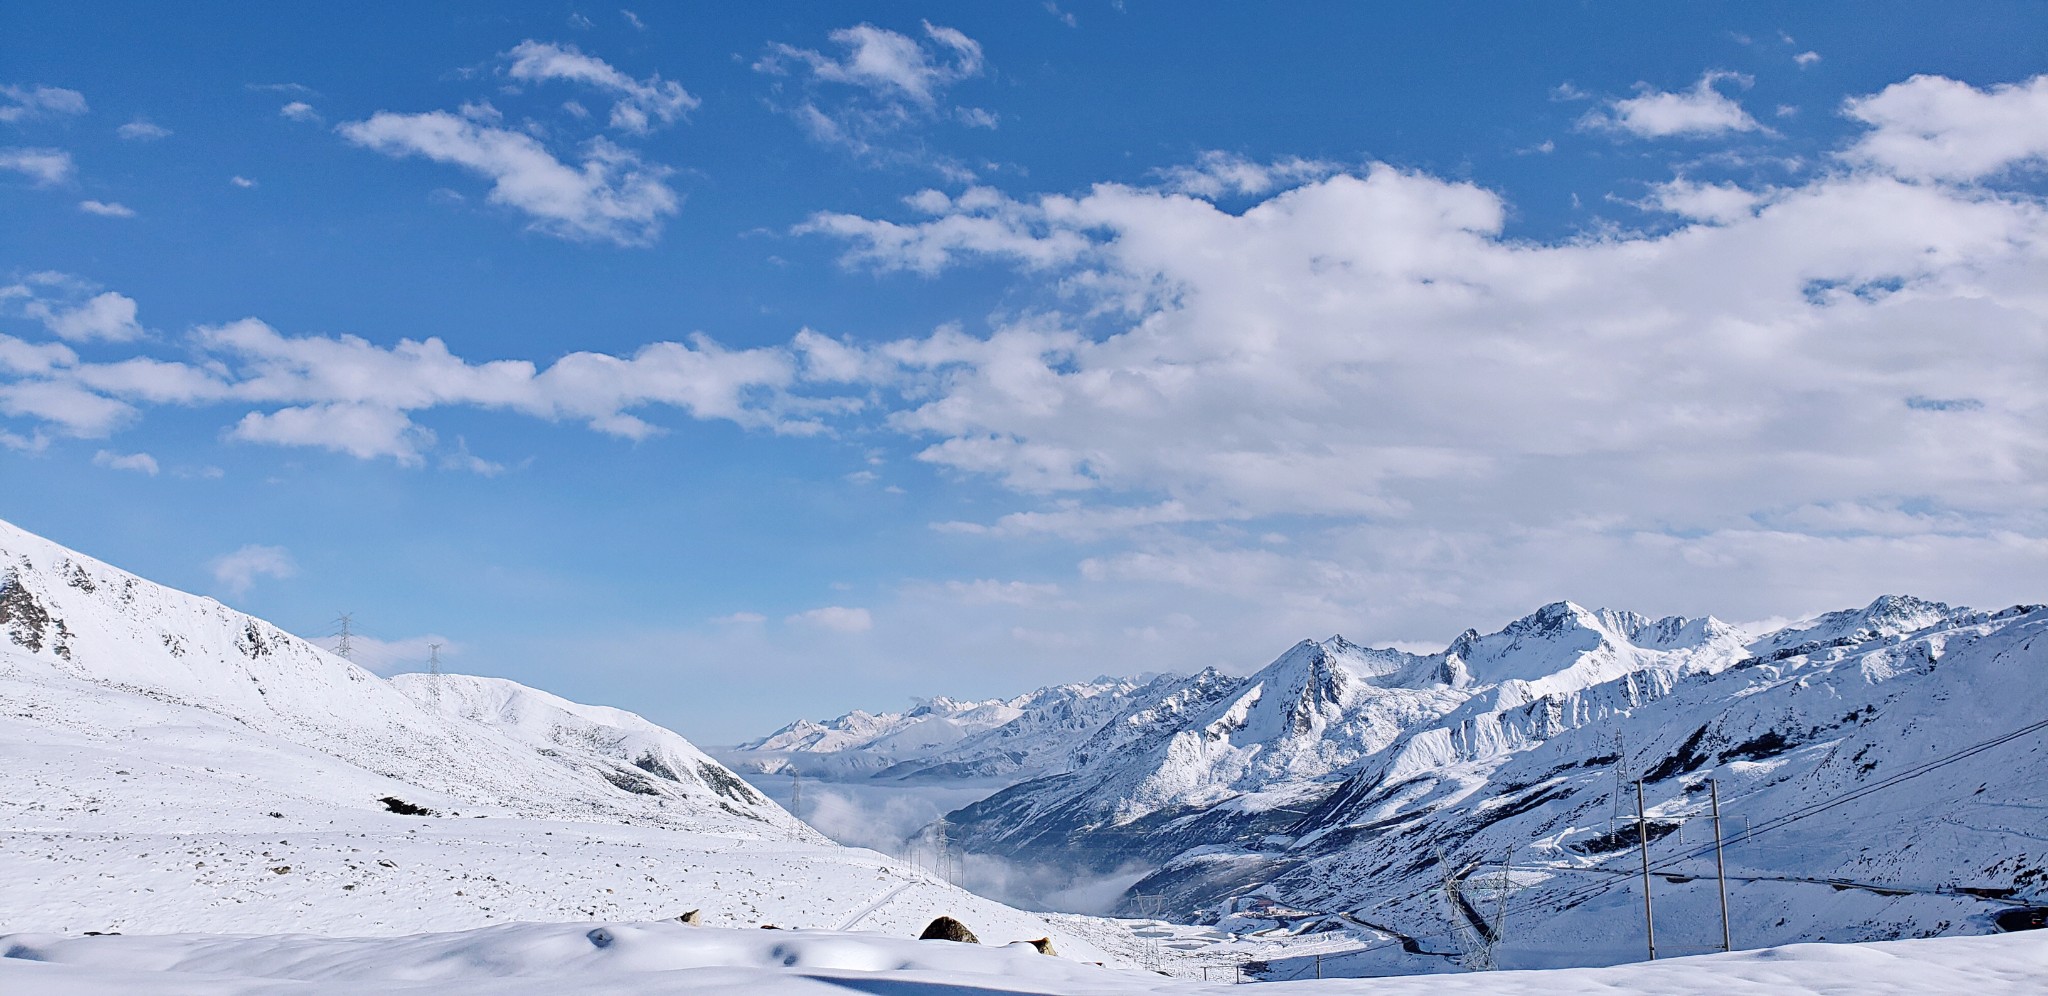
point(879, 83)
point(641, 105)
point(72, 309)
point(1702, 111)
point(1485, 423)
point(611, 195)
point(1931, 127)
point(238, 571)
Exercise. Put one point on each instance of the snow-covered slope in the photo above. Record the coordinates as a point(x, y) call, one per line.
point(174, 765)
point(633, 958)
point(1346, 783)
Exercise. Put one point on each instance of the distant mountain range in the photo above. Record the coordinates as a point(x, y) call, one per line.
point(1348, 787)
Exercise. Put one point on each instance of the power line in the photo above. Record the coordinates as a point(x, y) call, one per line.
point(1585, 892)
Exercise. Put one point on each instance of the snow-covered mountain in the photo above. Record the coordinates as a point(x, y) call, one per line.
point(1344, 783)
point(175, 766)
point(1349, 782)
point(943, 738)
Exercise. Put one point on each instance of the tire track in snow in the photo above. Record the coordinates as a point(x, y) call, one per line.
point(886, 899)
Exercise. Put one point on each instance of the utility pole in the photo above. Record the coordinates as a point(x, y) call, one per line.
point(1643, 831)
point(342, 648)
point(1720, 867)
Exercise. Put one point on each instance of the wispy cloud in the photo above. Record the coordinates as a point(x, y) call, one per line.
point(106, 209)
point(142, 130)
point(885, 82)
point(641, 103)
point(47, 167)
point(20, 103)
point(836, 618)
point(141, 463)
point(612, 195)
point(239, 571)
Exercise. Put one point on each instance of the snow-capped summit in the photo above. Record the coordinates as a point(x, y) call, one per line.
point(1886, 616)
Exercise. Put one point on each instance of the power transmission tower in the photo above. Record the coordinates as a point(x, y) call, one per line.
point(796, 791)
point(1720, 866)
point(944, 856)
point(434, 672)
point(1643, 831)
point(342, 648)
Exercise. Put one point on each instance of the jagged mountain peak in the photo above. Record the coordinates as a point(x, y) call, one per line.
point(1887, 616)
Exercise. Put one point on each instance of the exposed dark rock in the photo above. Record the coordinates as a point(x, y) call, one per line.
point(727, 784)
point(946, 928)
point(404, 808)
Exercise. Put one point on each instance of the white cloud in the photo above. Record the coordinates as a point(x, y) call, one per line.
point(979, 222)
point(641, 102)
point(361, 431)
point(299, 110)
point(347, 394)
point(73, 410)
point(241, 181)
point(633, 20)
point(1216, 174)
point(741, 619)
point(1805, 59)
point(139, 462)
point(463, 459)
point(1714, 202)
point(837, 618)
point(142, 130)
point(1934, 128)
point(1700, 112)
point(890, 81)
point(47, 167)
point(887, 63)
point(239, 570)
point(988, 591)
point(611, 196)
point(107, 209)
point(25, 102)
point(106, 316)
point(1474, 424)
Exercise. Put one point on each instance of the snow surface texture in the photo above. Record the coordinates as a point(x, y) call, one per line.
point(1337, 790)
point(175, 766)
point(626, 958)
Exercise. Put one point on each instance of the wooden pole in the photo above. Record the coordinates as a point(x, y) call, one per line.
point(1643, 832)
point(1720, 867)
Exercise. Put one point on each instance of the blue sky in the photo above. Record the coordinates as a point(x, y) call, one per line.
point(731, 365)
